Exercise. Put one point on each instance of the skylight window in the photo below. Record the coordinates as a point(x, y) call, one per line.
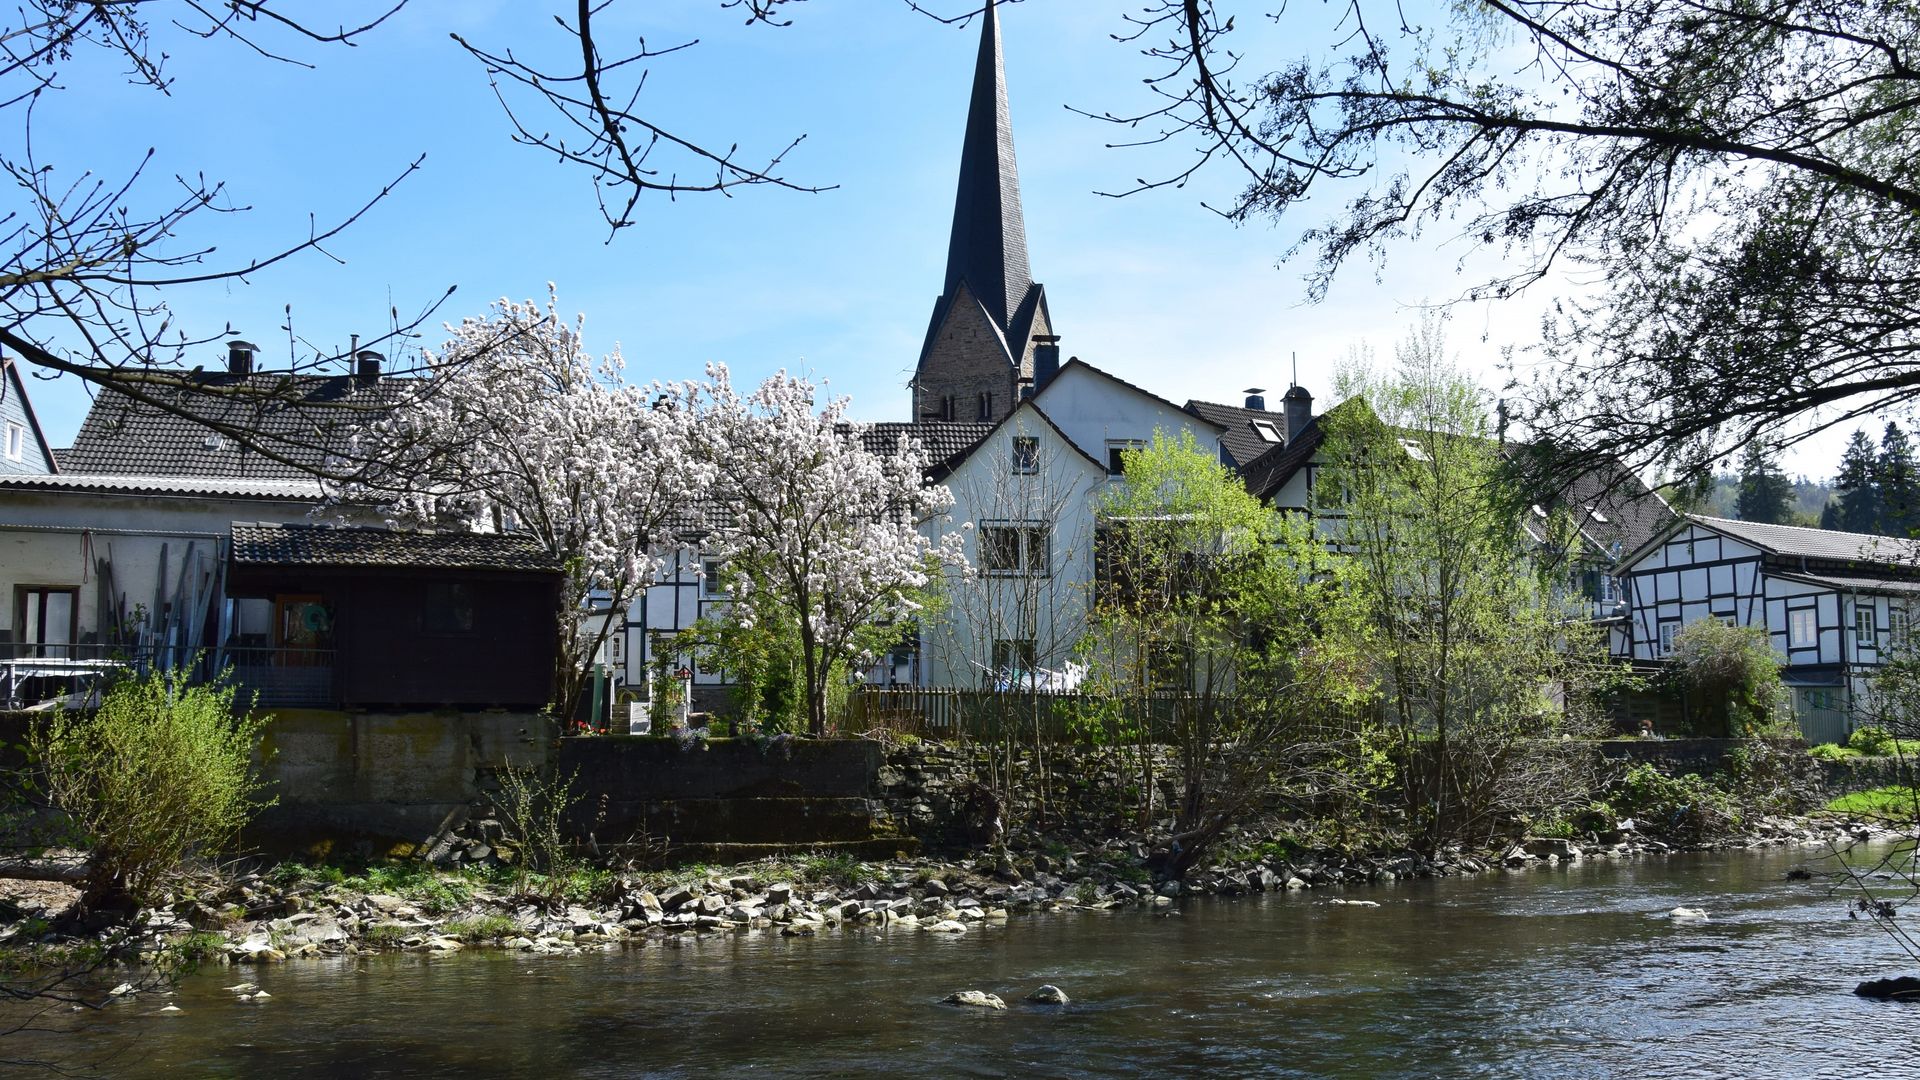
point(1414, 450)
point(1266, 431)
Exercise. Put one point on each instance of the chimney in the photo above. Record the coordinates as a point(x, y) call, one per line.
point(1255, 401)
point(1046, 360)
point(1298, 408)
point(1026, 385)
point(240, 357)
point(366, 367)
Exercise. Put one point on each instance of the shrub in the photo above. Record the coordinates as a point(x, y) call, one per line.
point(1872, 741)
point(1686, 808)
point(1832, 752)
point(1732, 676)
point(163, 771)
point(532, 809)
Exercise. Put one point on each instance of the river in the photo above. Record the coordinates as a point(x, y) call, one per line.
point(1569, 973)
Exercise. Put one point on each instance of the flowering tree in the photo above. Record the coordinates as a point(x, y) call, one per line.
point(828, 528)
point(527, 431)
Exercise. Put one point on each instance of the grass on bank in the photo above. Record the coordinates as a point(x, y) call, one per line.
point(1895, 803)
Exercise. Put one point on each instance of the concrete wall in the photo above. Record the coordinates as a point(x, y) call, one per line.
point(391, 775)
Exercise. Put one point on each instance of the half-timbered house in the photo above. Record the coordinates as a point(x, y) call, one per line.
point(1835, 605)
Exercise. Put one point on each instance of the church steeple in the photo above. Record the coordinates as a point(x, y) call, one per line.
point(988, 249)
point(980, 342)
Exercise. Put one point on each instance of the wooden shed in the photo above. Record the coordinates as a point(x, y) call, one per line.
point(379, 618)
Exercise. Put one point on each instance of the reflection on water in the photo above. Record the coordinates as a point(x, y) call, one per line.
point(1569, 973)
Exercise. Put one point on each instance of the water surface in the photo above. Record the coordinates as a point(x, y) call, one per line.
point(1569, 973)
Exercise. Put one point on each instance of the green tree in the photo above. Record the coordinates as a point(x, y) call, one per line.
point(1201, 630)
point(1480, 657)
point(1766, 495)
point(1858, 507)
point(162, 772)
point(1896, 484)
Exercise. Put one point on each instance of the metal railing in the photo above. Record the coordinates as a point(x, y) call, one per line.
point(267, 675)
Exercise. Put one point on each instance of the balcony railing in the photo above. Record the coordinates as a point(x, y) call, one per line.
point(268, 676)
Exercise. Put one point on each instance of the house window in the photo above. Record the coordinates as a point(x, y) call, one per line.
point(1667, 630)
point(1015, 549)
point(449, 608)
point(946, 407)
point(1897, 627)
point(614, 648)
point(1267, 431)
point(45, 618)
point(1609, 589)
point(1026, 455)
point(1012, 656)
point(1803, 627)
point(711, 583)
point(1863, 633)
point(986, 406)
point(16, 442)
point(1116, 451)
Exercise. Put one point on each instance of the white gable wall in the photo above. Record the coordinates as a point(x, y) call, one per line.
point(1044, 605)
point(1095, 410)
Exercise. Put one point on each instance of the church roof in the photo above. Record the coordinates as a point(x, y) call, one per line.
point(988, 248)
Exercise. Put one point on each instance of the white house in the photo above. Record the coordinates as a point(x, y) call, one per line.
point(1835, 605)
point(23, 446)
point(118, 553)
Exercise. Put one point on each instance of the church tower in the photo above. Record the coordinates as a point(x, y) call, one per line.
point(980, 342)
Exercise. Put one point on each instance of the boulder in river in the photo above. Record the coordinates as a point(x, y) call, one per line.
point(1899, 988)
point(1688, 914)
point(974, 999)
point(1048, 995)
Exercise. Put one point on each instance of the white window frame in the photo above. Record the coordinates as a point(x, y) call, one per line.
point(1268, 431)
point(1113, 447)
point(1869, 636)
point(1803, 619)
point(1899, 625)
point(1666, 631)
point(1027, 561)
point(710, 578)
point(1027, 463)
point(16, 441)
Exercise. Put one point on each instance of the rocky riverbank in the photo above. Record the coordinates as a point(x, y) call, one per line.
point(289, 911)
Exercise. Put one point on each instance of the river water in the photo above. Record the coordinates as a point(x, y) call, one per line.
point(1564, 973)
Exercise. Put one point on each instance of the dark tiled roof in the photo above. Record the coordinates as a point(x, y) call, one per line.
point(303, 418)
point(1795, 541)
point(318, 545)
point(1616, 509)
point(1244, 443)
point(943, 440)
point(1268, 473)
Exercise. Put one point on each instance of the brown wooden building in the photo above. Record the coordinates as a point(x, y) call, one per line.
point(378, 618)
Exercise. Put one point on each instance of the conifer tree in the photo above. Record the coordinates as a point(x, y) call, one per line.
point(1858, 507)
point(1896, 484)
point(1765, 493)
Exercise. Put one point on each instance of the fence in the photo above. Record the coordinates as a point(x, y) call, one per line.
point(266, 675)
point(990, 715)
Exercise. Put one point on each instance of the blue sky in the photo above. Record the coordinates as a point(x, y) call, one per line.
point(1155, 287)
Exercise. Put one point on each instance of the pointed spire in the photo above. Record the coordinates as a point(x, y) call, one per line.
point(988, 249)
